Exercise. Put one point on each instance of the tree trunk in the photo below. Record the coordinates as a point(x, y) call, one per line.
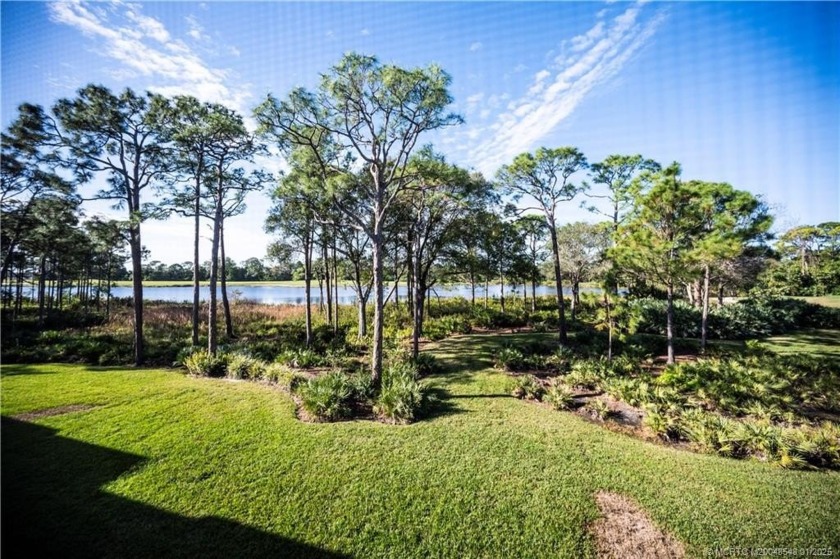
point(378, 302)
point(502, 291)
point(335, 287)
point(419, 293)
point(223, 274)
point(212, 314)
point(669, 330)
point(533, 295)
point(486, 292)
point(575, 298)
point(108, 286)
point(42, 290)
point(720, 294)
point(307, 285)
point(196, 265)
point(472, 287)
point(609, 325)
point(137, 291)
point(558, 282)
point(705, 320)
point(328, 280)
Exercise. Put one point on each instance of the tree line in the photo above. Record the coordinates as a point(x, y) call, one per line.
point(364, 200)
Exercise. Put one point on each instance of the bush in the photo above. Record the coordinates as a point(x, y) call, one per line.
point(327, 397)
point(300, 358)
point(287, 379)
point(559, 396)
point(510, 359)
point(600, 409)
point(243, 366)
point(201, 364)
point(527, 387)
point(401, 399)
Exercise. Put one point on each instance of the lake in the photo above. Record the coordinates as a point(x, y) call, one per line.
point(288, 295)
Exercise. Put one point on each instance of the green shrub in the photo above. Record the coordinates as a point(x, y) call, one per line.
point(527, 387)
point(243, 366)
point(600, 409)
point(714, 434)
point(585, 374)
point(300, 358)
point(201, 364)
point(326, 397)
point(402, 398)
point(509, 359)
point(286, 378)
point(663, 423)
point(559, 396)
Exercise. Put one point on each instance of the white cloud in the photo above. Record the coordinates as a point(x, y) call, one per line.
point(142, 46)
point(520, 68)
point(365, 32)
point(476, 46)
point(196, 30)
point(598, 55)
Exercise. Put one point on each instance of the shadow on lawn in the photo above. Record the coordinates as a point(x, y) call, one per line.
point(53, 505)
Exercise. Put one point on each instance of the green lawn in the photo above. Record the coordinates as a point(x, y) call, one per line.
point(165, 465)
point(826, 300)
point(825, 343)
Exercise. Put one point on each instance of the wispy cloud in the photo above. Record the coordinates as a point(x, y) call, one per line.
point(476, 46)
point(365, 32)
point(196, 30)
point(142, 46)
point(555, 92)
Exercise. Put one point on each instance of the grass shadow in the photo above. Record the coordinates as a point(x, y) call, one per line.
point(53, 506)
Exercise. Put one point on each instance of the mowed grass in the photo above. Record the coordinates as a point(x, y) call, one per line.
point(164, 465)
point(826, 300)
point(824, 343)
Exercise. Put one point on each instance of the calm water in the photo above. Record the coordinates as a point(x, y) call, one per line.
point(284, 295)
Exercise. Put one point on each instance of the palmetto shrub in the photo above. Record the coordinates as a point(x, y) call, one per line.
point(327, 397)
point(201, 363)
point(402, 398)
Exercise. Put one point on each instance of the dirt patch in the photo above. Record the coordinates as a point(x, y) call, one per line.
point(625, 530)
point(50, 412)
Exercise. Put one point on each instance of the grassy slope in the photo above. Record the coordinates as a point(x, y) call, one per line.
point(168, 465)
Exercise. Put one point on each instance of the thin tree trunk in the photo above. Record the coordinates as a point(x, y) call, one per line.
point(502, 291)
point(108, 294)
point(419, 293)
point(196, 263)
point(137, 291)
point(335, 287)
point(472, 287)
point(705, 320)
point(558, 281)
point(669, 330)
point(533, 294)
point(223, 273)
point(307, 284)
point(486, 292)
point(212, 313)
point(720, 294)
point(378, 303)
point(42, 290)
point(328, 279)
point(609, 325)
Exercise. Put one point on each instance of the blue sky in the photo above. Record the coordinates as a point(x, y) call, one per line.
point(746, 93)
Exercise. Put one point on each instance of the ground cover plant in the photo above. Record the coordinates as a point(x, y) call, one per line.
point(746, 401)
point(156, 462)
